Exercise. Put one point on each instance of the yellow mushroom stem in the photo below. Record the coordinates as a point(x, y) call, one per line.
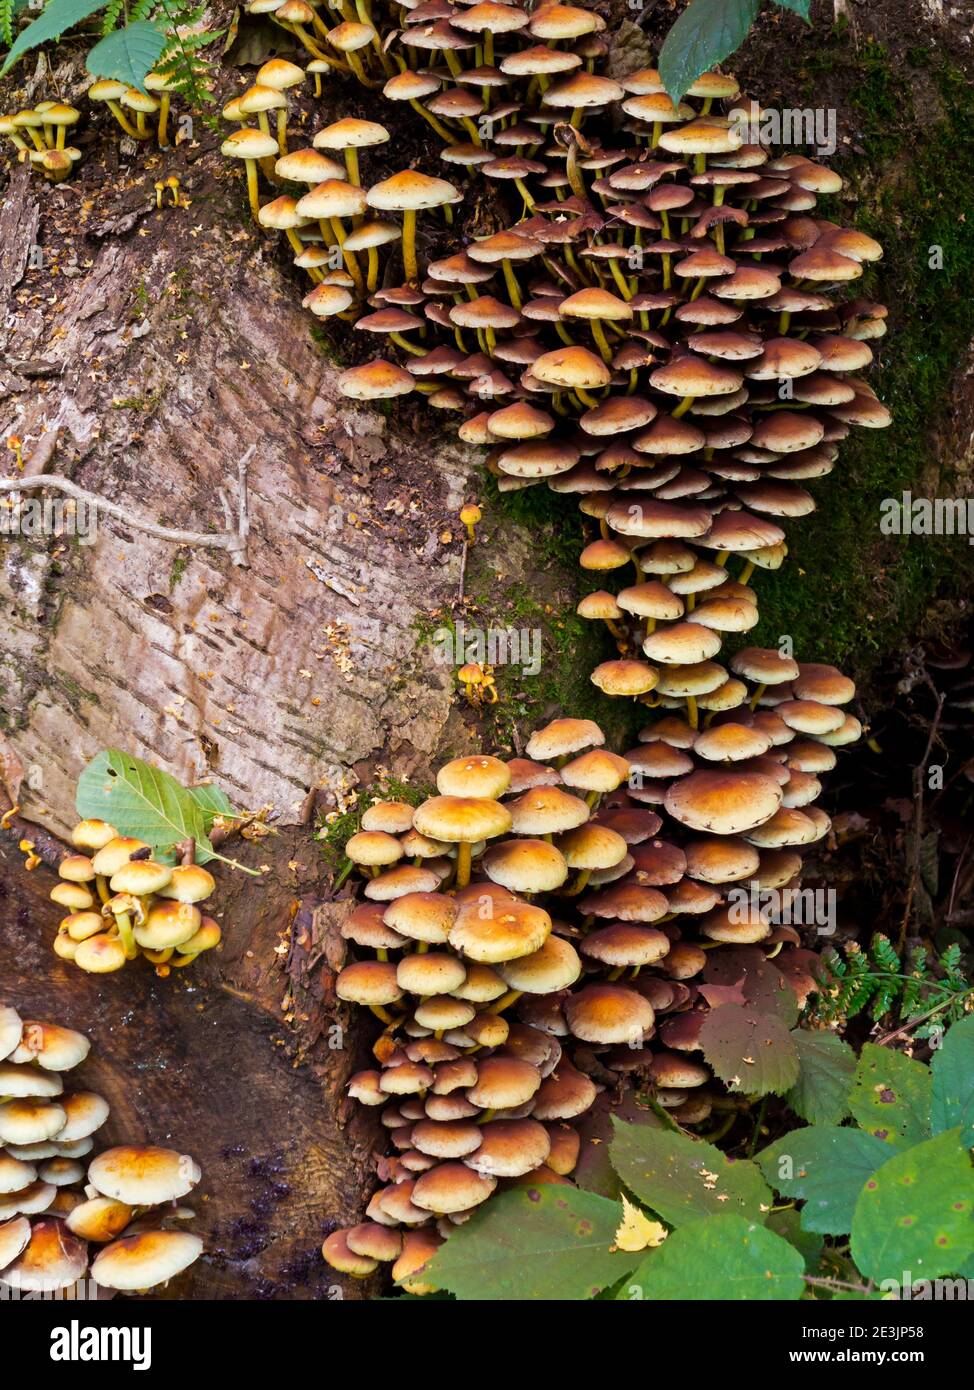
point(463, 864)
point(601, 342)
point(693, 714)
point(297, 245)
point(38, 142)
point(746, 572)
point(252, 190)
point(759, 691)
point(282, 129)
point(382, 1013)
point(683, 407)
point(101, 887)
point(142, 131)
point(124, 924)
point(441, 130)
point(409, 263)
point(580, 883)
point(333, 225)
point(351, 164)
point(162, 130)
point(505, 1001)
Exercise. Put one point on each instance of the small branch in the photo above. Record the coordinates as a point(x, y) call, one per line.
point(463, 572)
point(835, 1284)
point(921, 1018)
point(233, 539)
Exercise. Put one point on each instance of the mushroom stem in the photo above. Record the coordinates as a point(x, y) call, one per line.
point(441, 131)
point(746, 572)
point(757, 695)
point(600, 339)
point(693, 714)
point(101, 887)
point(297, 245)
point(338, 236)
point(282, 129)
point(351, 164)
point(142, 130)
point(252, 191)
point(409, 263)
point(505, 1001)
point(162, 130)
point(463, 864)
point(382, 1013)
point(683, 407)
point(124, 925)
point(580, 883)
point(372, 274)
point(355, 63)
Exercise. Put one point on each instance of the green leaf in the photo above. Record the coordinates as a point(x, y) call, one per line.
point(825, 1167)
point(800, 7)
point(952, 1069)
point(544, 1242)
point(707, 32)
point(141, 801)
point(915, 1215)
point(828, 1065)
point(748, 970)
point(753, 1053)
point(57, 16)
point(683, 1179)
point(891, 1097)
point(725, 1258)
point(213, 802)
point(809, 1244)
point(127, 54)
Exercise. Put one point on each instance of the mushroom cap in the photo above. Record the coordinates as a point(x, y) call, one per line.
point(15, 1175)
point(625, 677)
point(593, 847)
point(368, 982)
point(248, 144)
point(350, 133)
point(421, 916)
point(115, 853)
point(166, 924)
point(19, 1081)
point(490, 933)
point(52, 1259)
point(100, 954)
point(503, 1083)
point(142, 1175)
point(724, 803)
point(563, 1094)
point(142, 1261)
point(14, 1239)
point(373, 848)
point(451, 1187)
point(477, 775)
point(509, 1148)
point(607, 1013)
point(525, 865)
point(84, 1113)
point(431, 972)
point(333, 198)
point(54, 1048)
point(30, 1120)
point(99, 1219)
point(418, 1248)
point(375, 380)
point(76, 868)
point(338, 1253)
point(571, 367)
point(307, 166)
point(554, 966)
point(626, 944)
point(563, 736)
point(446, 1138)
point(410, 191)
point(373, 1241)
point(462, 819)
point(141, 877)
point(546, 811)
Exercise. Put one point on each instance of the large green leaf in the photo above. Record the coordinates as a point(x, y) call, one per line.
point(801, 7)
point(827, 1067)
point(707, 32)
point(128, 54)
point(952, 1068)
point(141, 801)
point(825, 1167)
point(57, 17)
point(891, 1097)
point(915, 1215)
point(752, 1052)
point(726, 1258)
point(213, 802)
point(545, 1242)
point(683, 1179)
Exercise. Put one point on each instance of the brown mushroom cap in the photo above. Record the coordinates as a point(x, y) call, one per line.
point(52, 1259)
point(368, 982)
point(143, 1175)
point(509, 1148)
point(142, 1261)
point(725, 803)
point(462, 819)
point(503, 1083)
point(607, 1013)
point(451, 1187)
point(554, 966)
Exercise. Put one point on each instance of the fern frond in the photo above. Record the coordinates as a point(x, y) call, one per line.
point(7, 21)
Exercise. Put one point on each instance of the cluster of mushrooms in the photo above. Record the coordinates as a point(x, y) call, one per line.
point(541, 925)
point(655, 318)
point(39, 136)
point(122, 904)
point(71, 1219)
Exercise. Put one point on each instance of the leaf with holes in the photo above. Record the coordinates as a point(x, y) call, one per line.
point(952, 1069)
point(683, 1179)
point(127, 54)
point(825, 1167)
point(891, 1097)
point(707, 32)
point(141, 801)
point(827, 1067)
point(56, 18)
point(753, 1053)
point(725, 1258)
point(915, 1214)
point(544, 1242)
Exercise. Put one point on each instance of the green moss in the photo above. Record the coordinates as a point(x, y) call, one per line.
point(848, 593)
point(178, 569)
point(334, 834)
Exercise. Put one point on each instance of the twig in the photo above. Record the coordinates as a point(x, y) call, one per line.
point(834, 1284)
point(233, 539)
point(921, 1018)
